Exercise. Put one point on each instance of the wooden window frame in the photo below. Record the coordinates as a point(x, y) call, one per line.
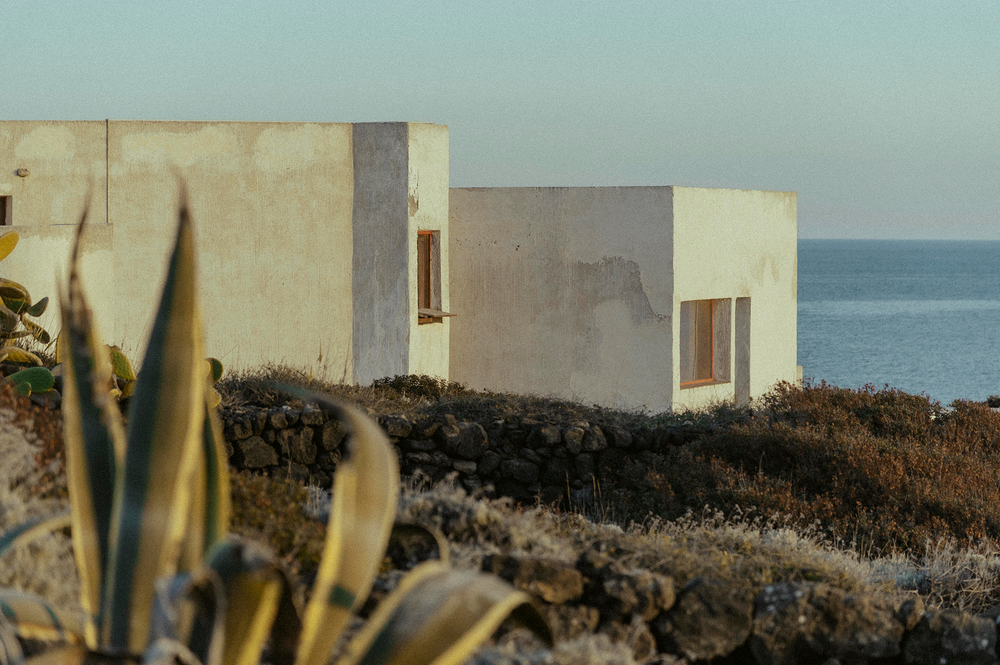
point(711, 345)
point(6, 210)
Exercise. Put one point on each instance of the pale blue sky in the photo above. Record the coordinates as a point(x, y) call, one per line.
point(883, 116)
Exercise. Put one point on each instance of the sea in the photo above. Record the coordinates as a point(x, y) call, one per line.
point(919, 315)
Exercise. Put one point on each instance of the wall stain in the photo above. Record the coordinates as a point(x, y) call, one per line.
point(613, 278)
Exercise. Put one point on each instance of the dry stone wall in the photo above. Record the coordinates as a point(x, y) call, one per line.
point(699, 622)
point(518, 457)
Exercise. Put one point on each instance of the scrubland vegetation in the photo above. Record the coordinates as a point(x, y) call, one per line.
point(855, 487)
point(863, 489)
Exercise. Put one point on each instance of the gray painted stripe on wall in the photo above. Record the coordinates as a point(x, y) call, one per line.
point(380, 285)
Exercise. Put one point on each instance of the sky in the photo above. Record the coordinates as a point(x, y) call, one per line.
point(883, 116)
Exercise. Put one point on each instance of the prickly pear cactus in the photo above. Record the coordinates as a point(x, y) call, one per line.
point(15, 307)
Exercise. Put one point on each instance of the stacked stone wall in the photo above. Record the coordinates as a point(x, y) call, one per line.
point(518, 457)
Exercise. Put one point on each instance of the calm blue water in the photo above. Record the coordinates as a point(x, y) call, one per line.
point(922, 316)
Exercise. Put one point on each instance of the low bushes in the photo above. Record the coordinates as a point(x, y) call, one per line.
point(882, 469)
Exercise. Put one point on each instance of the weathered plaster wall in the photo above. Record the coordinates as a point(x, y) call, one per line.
point(272, 206)
point(40, 260)
point(735, 244)
point(381, 286)
point(564, 291)
point(66, 160)
point(427, 201)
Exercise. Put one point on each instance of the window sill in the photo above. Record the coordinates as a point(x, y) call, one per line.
point(429, 319)
point(699, 384)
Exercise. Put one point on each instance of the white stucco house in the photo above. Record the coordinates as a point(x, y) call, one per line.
point(341, 248)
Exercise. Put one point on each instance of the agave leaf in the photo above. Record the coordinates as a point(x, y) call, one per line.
point(120, 364)
point(404, 533)
point(37, 331)
point(165, 431)
point(94, 440)
point(33, 618)
point(214, 369)
point(39, 307)
point(259, 604)
point(210, 501)
point(190, 610)
point(440, 616)
point(39, 378)
point(366, 487)
point(75, 655)
point(18, 355)
point(8, 242)
point(33, 528)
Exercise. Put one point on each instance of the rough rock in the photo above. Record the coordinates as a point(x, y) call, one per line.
point(593, 440)
point(640, 592)
point(573, 440)
point(800, 623)
point(520, 470)
point(398, 427)
point(569, 621)
point(709, 619)
point(256, 453)
point(544, 436)
point(465, 440)
point(552, 581)
point(953, 638)
point(331, 435)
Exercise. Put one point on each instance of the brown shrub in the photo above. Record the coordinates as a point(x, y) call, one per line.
point(882, 469)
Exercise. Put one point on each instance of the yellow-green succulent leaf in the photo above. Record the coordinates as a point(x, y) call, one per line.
point(120, 364)
point(33, 528)
point(365, 491)
point(258, 601)
point(39, 307)
point(214, 369)
point(8, 242)
point(16, 354)
point(36, 331)
point(39, 378)
point(438, 616)
point(15, 295)
point(94, 442)
point(165, 431)
point(9, 320)
point(32, 617)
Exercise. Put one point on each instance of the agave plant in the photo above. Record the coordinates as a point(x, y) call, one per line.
point(162, 580)
point(15, 307)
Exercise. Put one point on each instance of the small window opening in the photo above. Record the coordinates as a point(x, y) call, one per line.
point(429, 278)
point(6, 210)
point(704, 342)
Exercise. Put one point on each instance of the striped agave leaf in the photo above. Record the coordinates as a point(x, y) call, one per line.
point(366, 488)
point(164, 448)
point(259, 605)
point(32, 617)
point(440, 616)
point(27, 531)
point(94, 441)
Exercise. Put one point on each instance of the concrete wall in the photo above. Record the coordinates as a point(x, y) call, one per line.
point(400, 188)
point(427, 206)
point(564, 291)
point(66, 163)
point(272, 205)
point(731, 244)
